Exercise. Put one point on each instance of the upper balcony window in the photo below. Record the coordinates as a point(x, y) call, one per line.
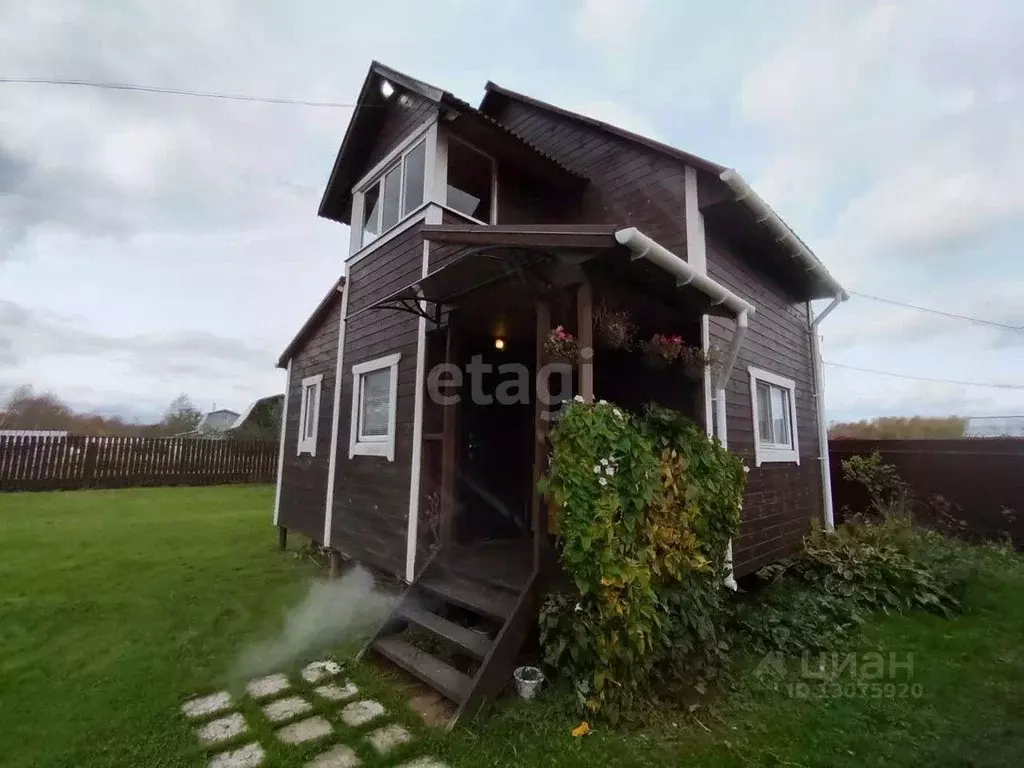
point(394, 194)
point(470, 181)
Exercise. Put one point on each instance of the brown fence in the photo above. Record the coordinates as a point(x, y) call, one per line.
point(52, 463)
point(982, 478)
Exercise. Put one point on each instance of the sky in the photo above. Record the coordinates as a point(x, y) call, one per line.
point(154, 244)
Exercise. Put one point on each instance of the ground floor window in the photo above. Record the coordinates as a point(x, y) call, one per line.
point(774, 404)
point(309, 414)
point(374, 402)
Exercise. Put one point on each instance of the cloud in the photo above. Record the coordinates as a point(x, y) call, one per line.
point(608, 22)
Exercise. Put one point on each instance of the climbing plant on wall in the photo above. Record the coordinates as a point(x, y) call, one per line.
point(645, 507)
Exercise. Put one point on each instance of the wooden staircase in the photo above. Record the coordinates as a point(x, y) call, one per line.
point(458, 635)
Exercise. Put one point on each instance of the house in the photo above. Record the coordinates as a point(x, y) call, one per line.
point(474, 232)
point(216, 423)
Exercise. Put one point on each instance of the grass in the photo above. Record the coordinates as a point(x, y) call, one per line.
point(117, 605)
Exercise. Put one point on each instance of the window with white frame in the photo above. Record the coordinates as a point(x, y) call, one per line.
point(471, 181)
point(374, 402)
point(773, 399)
point(309, 414)
point(395, 193)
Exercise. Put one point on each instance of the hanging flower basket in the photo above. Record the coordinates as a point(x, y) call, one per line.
point(562, 345)
point(661, 350)
point(615, 327)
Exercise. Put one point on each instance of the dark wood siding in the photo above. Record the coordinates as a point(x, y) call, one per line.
point(371, 501)
point(304, 478)
point(406, 113)
point(781, 499)
point(635, 186)
point(630, 184)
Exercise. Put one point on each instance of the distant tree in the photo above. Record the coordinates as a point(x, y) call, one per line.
point(181, 416)
point(23, 409)
point(895, 427)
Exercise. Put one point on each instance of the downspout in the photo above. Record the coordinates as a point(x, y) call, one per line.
point(721, 430)
point(819, 400)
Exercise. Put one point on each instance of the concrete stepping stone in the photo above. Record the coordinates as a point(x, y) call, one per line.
point(222, 729)
point(335, 692)
point(316, 671)
point(305, 730)
point(387, 738)
point(286, 709)
point(202, 706)
point(249, 756)
point(424, 762)
point(265, 687)
point(336, 757)
point(361, 712)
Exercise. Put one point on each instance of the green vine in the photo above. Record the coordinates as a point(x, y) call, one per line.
point(645, 508)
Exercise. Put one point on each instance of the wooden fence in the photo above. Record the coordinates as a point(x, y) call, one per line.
point(53, 463)
point(983, 479)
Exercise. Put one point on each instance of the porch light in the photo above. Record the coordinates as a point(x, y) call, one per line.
point(386, 89)
point(499, 343)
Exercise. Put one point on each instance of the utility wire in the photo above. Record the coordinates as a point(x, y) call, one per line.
point(937, 311)
point(926, 378)
point(174, 91)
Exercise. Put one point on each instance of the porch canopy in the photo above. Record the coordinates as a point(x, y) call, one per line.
point(548, 256)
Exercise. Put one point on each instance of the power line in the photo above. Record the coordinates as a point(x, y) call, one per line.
point(174, 91)
point(937, 311)
point(926, 378)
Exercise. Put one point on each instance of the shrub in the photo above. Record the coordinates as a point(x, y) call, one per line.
point(645, 507)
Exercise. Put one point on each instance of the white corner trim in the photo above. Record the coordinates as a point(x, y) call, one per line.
point(385, 446)
point(332, 467)
point(307, 444)
point(412, 532)
point(765, 453)
point(280, 446)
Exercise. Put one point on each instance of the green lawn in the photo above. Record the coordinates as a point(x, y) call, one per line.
point(116, 605)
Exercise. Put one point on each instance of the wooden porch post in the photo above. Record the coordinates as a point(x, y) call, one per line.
point(585, 338)
point(539, 520)
point(449, 456)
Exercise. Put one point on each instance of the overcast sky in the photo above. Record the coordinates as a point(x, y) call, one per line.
point(154, 244)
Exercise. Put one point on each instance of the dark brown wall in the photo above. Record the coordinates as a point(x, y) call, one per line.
point(983, 478)
point(371, 501)
point(630, 184)
point(304, 478)
point(781, 498)
point(636, 186)
point(406, 113)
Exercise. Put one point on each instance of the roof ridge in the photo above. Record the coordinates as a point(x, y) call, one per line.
point(660, 146)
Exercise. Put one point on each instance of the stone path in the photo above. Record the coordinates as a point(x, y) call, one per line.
point(314, 708)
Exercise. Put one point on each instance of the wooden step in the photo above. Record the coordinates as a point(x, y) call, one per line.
point(442, 677)
point(467, 640)
point(475, 597)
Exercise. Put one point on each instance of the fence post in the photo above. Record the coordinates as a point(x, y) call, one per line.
point(89, 465)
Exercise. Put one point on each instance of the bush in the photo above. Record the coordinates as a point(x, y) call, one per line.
point(645, 509)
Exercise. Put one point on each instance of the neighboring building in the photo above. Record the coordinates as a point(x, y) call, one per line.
point(995, 426)
point(473, 233)
point(217, 423)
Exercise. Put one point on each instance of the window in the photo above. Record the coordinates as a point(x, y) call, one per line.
point(374, 399)
point(775, 434)
point(393, 195)
point(309, 414)
point(470, 181)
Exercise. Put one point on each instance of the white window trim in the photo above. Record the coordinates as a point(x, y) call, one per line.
point(308, 445)
point(766, 454)
point(382, 445)
point(447, 139)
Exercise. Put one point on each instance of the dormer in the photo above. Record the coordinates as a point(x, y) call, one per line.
point(411, 146)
